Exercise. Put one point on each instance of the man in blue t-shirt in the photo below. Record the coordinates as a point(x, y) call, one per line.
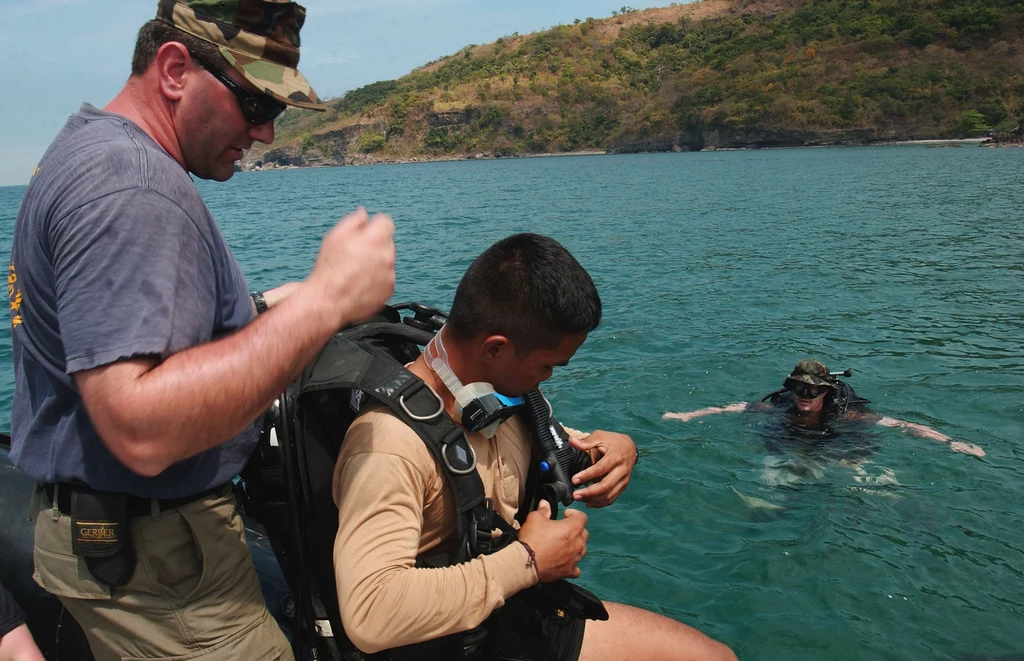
point(141, 372)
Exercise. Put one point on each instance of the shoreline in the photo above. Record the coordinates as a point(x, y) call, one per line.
point(936, 142)
point(943, 142)
point(425, 159)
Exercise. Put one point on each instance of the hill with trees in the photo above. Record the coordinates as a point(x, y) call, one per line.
point(709, 74)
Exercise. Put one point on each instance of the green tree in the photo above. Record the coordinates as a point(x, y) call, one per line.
point(994, 111)
point(440, 140)
point(848, 107)
point(972, 123)
point(371, 141)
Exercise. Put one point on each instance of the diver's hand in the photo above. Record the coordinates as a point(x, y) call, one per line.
point(610, 473)
point(966, 448)
point(354, 273)
point(559, 545)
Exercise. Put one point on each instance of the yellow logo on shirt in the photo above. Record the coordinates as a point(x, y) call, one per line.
point(14, 296)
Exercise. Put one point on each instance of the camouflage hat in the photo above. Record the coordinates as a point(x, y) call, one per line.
point(811, 371)
point(259, 38)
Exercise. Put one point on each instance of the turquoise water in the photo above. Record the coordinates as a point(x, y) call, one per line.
point(718, 272)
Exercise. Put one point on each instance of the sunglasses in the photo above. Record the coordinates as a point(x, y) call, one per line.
point(806, 390)
point(256, 108)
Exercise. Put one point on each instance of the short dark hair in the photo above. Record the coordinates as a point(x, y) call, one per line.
point(155, 34)
point(528, 288)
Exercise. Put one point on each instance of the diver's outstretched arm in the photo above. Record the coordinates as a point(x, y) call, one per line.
point(738, 407)
point(923, 431)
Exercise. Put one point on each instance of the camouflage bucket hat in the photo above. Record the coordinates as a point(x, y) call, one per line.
point(810, 371)
point(259, 38)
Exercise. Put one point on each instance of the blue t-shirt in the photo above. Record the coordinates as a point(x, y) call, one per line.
point(115, 256)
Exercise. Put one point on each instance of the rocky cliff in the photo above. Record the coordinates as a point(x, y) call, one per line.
point(714, 74)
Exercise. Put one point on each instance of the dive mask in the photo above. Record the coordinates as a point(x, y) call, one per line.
point(478, 406)
point(805, 390)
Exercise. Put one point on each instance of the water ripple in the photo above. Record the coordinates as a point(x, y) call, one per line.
point(718, 272)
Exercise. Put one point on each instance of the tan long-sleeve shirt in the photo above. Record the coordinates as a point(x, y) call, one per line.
point(394, 505)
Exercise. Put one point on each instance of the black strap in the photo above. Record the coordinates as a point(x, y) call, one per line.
point(381, 328)
point(5, 440)
point(448, 444)
point(134, 505)
point(345, 363)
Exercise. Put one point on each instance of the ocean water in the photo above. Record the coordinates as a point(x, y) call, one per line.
point(718, 272)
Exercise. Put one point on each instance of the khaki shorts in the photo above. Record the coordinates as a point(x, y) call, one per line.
point(194, 593)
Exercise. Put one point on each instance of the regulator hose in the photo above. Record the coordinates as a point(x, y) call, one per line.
point(556, 454)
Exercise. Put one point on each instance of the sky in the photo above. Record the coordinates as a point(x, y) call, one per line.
point(59, 53)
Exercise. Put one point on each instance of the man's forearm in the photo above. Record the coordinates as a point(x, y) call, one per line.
point(201, 397)
point(152, 414)
point(921, 431)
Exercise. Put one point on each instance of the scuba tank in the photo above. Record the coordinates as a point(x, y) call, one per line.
point(845, 397)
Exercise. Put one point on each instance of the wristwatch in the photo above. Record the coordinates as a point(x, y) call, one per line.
point(259, 302)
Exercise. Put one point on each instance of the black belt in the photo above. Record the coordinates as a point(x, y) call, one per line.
point(136, 505)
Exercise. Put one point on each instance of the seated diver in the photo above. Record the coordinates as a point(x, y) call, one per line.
point(523, 308)
point(812, 397)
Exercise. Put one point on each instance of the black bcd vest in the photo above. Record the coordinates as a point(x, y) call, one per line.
point(287, 485)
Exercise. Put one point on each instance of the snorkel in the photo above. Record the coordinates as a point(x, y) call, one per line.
point(478, 406)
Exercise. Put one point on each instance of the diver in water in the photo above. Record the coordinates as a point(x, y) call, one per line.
point(813, 398)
